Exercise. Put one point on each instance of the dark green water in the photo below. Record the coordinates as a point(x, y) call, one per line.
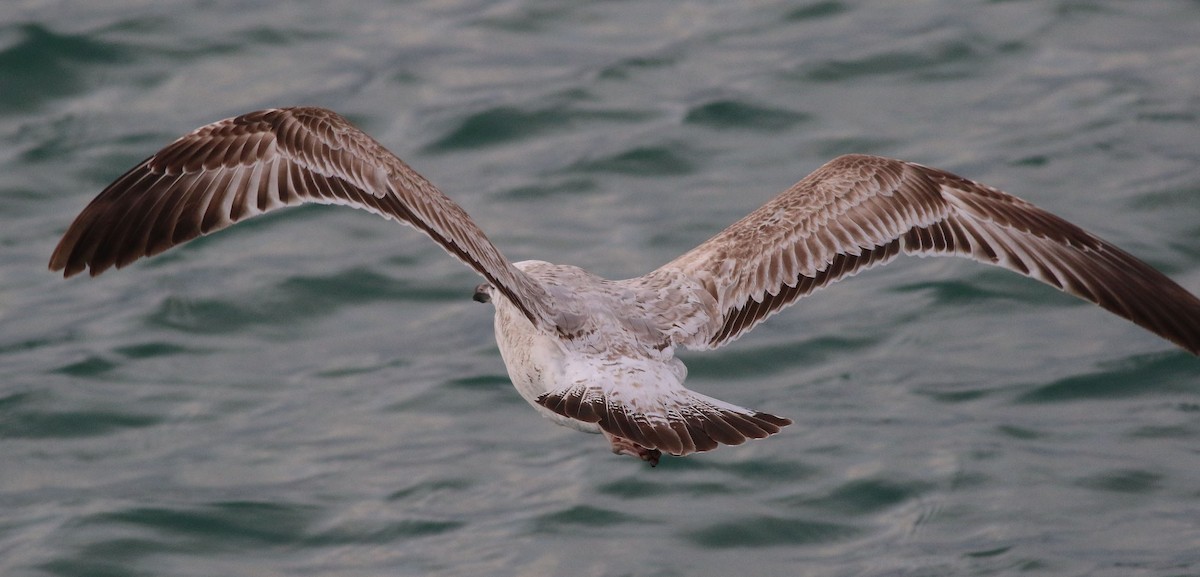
point(314, 393)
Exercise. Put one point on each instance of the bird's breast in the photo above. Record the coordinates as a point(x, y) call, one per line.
point(536, 362)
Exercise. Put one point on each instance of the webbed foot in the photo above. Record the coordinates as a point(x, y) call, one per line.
point(623, 446)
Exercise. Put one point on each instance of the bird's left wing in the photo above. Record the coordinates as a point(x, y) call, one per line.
point(240, 167)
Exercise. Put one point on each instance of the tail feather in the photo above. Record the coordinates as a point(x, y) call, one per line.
point(680, 424)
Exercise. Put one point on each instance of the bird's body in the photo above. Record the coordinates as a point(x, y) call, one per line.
point(613, 369)
point(599, 355)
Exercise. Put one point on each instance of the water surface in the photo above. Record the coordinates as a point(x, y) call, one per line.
point(314, 393)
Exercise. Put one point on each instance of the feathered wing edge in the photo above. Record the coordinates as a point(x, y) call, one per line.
point(856, 212)
point(241, 167)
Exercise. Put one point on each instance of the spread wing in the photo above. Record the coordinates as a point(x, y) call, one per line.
point(241, 167)
point(858, 211)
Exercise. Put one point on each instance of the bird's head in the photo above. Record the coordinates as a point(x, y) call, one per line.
point(483, 293)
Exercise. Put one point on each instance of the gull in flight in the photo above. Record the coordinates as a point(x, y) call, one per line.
point(598, 355)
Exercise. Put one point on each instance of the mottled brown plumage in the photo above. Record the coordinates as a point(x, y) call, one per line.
point(859, 211)
point(595, 354)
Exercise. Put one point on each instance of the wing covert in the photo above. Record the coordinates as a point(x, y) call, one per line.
point(241, 167)
point(858, 211)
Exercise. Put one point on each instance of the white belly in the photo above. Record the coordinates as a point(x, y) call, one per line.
point(535, 362)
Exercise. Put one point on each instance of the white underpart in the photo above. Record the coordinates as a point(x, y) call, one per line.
point(592, 353)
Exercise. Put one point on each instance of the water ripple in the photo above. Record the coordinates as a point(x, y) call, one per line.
point(729, 114)
point(954, 59)
point(581, 515)
point(1123, 481)
point(1141, 375)
point(263, 523)
point(45, 65)
point(505, 124)
point(862, 497)
point(642, 161)
point(766, 531)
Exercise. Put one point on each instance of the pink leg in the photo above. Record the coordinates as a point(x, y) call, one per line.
point(623, 446)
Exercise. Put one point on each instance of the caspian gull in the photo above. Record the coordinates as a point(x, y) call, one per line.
point(599, 355)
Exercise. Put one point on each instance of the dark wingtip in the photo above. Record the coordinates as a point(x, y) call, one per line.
point(57, 263)
point(773, 419)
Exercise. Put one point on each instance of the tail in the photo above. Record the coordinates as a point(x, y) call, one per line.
point(680, 424)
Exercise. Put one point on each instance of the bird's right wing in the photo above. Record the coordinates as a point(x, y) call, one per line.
point(859, 211)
